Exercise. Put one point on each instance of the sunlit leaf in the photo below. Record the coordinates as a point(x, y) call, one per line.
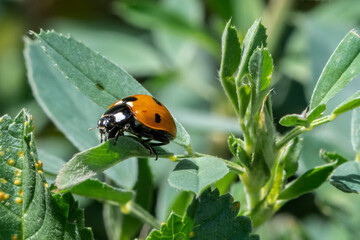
point(261, 68)
point(93, 75)
point(342, 67)
point(254, 38)
point(291, 120)
point(76, 113)
point(93, 161)
point(349, 104)
point(230, 60)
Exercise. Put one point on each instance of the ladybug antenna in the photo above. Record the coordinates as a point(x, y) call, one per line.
point(90, 129)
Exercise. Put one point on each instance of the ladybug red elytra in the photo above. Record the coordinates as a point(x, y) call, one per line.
point(141, 115)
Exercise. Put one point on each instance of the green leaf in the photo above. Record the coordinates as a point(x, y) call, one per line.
point(291, 120)
point(93, 75)
point(254, 38)
point(230, 60)
point(355, 131)
point(291, 156)
point(244, 98)
point(341, 68)
point(349, 104)
point(93, 161)
point(174, 228)
point(50, 88)
point(209, 216)
point(196, 174)
point(315, 113)
point(303, 119)
point(93, 188)
point(237, 149)
point(261, 68)
point(347, 177)
point(215, 217)
point(231, 51)
point(330, 157)
point(27, 207)
point(307, 182)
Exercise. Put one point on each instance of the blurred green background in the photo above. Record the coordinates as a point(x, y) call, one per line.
point(173, 48)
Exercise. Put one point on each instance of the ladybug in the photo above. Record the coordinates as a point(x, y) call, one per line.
point(141, 115)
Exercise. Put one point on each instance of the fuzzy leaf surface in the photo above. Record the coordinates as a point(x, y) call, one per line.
point(291, 120)
point(342, 67)
point(93, 161)
point(93, 75)
point(254, 38)
point(230, 60)
point(261, 68)
point(50, 88)
point(196, 174)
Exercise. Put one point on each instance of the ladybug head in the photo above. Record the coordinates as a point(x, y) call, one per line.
point(106, 123)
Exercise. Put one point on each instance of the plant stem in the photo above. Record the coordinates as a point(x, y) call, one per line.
point(289, 136)
point(253, 193)
point(298, 130)
point(143, 215)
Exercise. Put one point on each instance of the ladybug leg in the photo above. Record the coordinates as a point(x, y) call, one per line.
point(120, 132)
point(151, 145)
point(117, 135)
point(144, 142)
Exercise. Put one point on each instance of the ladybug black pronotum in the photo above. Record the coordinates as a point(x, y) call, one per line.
point(141, 115)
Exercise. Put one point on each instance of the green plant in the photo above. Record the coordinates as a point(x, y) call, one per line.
point(84, 83)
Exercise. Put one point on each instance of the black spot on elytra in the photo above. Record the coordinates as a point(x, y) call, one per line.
point(129, 99)
point(157, 102)
point(99, 86)
point(157, 118)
